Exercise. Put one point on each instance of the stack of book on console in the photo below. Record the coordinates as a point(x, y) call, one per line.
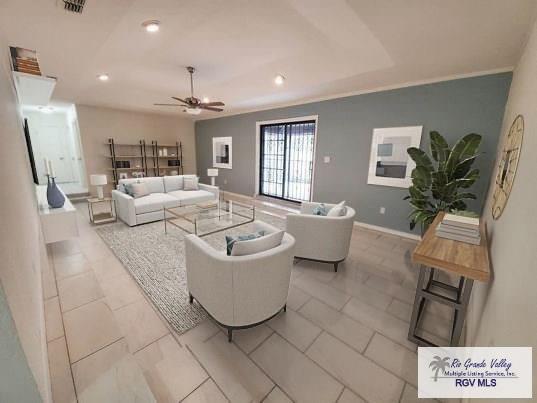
point(459, 228)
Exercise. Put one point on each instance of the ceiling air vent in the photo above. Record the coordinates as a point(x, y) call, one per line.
point(76, 6)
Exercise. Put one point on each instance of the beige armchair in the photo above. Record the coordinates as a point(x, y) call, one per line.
point(239, 292)
point(321, 238)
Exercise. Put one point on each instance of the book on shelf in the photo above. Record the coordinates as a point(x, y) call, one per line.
point(458, 230)
point(460, 238)
point(461, 221)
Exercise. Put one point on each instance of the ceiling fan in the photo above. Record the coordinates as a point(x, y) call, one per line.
point(192, 104)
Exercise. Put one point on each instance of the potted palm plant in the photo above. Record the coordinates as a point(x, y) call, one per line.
point(439, 184)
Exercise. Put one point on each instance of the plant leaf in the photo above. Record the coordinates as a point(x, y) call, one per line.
point(439, 147)
point(469, 179)
point(463, 167)
point(420, 158)
point(464, 148)
point(421, 177)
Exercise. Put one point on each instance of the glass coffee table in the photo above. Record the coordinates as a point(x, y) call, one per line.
point(207, 218)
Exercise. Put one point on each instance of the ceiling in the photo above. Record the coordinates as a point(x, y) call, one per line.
point(323, 48)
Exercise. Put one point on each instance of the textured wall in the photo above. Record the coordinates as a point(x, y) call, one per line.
point(504, 312)
point(22, 257)
point(98, 124)
point(454, 108)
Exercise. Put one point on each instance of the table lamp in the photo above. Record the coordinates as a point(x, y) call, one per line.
point(212, 173)
point(99, 181)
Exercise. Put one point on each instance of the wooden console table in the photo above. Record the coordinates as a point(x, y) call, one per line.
point(469, 262)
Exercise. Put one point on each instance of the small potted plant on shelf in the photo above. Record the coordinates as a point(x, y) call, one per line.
point(439, 184)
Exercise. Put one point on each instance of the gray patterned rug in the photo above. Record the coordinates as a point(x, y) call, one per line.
point(157, 262)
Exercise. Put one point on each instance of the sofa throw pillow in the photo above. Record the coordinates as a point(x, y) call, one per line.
point(257, 245)
point(127, 188)
point(338, 210)
point(231, 240)
point(190, 183)
point(139, 190)
point(320, 209)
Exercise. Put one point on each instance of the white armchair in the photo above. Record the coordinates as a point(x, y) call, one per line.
point(239, 292)
point(321, 238)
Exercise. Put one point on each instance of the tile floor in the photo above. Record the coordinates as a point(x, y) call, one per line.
point(343, 338)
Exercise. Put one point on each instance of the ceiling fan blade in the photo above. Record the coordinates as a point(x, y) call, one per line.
point(167, 105)
point(213, 103)
point(210, 108)
point(180, 100)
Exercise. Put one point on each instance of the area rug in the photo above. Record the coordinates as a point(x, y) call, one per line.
point(157, 262)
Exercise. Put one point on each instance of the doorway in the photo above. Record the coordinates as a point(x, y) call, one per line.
point(55, 136)
point(287, 153)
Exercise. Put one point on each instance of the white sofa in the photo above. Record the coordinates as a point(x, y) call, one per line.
point(321, 238)
point(166, 191)
point(239, 292)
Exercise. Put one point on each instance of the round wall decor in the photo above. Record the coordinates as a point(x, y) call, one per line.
point(507, 167)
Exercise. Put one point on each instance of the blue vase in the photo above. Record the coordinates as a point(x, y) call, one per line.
point(55, 198)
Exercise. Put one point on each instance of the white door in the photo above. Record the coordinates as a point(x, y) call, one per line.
point(53, 145)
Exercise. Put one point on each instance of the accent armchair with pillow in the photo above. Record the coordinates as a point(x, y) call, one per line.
point(321, 238)
point(243, 291)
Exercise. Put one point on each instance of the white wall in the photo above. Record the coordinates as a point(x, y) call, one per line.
point(504, 312)
point(98, 124)
point(22, 251)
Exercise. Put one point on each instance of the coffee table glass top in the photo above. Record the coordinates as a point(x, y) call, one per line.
point(206, 218)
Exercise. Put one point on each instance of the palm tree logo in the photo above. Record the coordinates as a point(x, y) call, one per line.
point(438, 364)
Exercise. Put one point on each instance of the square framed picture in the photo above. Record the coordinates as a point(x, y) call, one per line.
point(222, 152)
point(389, 162)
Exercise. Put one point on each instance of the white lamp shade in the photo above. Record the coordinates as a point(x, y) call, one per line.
point(98, 180)
point(212, 172)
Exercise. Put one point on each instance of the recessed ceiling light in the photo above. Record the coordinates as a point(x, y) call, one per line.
point(103, 77)
point(151, 25)
point(279, 79)
point(205, 100)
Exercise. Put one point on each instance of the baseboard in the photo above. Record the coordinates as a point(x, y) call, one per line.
point(390, 231)
point(402, 234)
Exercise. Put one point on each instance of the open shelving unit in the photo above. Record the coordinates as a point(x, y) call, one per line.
point(166, 164)
point(144, 159)
point(128, 158)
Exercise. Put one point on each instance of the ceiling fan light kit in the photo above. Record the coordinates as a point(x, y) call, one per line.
point(193, 105)
point(151, 25)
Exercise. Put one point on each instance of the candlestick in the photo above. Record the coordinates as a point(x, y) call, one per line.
point(51, 169)
point(46, 167)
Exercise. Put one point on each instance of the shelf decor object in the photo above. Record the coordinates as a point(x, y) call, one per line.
point(55, 198)
point(507, 167)
point(99, 181)
point(212, 173)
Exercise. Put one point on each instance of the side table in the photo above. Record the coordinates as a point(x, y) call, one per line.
point(101, 217)
point(469, 262)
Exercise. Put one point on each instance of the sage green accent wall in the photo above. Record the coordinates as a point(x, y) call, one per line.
point(345, 127)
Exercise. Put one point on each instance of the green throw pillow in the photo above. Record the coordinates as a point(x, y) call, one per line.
point(230, 240)
point(321, 209)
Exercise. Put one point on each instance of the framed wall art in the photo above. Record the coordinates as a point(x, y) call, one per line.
point(222, 152)
point(389, 162)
